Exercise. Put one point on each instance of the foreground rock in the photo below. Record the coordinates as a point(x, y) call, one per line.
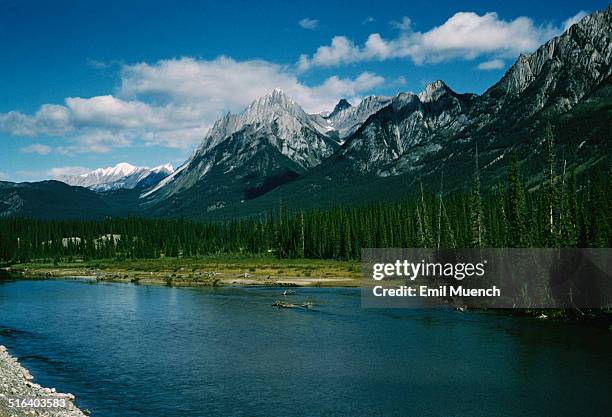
point(19, 396)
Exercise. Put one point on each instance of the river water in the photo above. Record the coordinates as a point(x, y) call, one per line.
point(129, 350)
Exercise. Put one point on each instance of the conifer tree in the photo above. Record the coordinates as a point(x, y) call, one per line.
point(425, 232)
point(551, 192)
point(567, 221)
point(476, 211)
point(517, 210)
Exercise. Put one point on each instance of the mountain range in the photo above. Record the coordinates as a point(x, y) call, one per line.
point(380, 149)
point(120, 176)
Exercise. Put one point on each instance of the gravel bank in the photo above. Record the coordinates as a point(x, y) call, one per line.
point(16, 386)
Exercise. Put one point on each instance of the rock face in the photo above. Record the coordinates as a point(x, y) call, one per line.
point(346, 119)
point(406, 126)
point(564, 69)
point(120, 176)
point(275, 110)
point(16, 384)
point(343, 104)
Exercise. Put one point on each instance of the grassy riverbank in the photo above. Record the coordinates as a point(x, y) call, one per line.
point(203, 271)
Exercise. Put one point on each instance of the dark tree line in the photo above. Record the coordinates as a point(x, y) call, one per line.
point(559, 210)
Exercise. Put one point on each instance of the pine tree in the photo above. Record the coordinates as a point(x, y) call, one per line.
point(424, 224)
point(551, 192)
point(476, 211)
point(440, 210)
point(501, 216)
point(302, 236)
point(600, 230)
point(517, 210)
point(568, 233)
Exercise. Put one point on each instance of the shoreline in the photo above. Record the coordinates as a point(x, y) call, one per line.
point(204, 276)
point(16, 385)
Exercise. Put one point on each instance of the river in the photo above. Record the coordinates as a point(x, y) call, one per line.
point(129, 350)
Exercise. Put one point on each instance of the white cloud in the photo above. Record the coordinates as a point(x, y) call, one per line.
point(54, 173)
point(574, 19)
point(173, 102)
point(95, 141)
point(4, 176)
point(341, 50)
point(399, 81)
point(492, 64)
point(367, 20)
point(465, 35)
point(307, 23)
point(214, 87)
point(37, 148)
point(182, 138)
point(404, 25)
point(59, 172)
point(50, 119)
point(339, 87)
point(109, 111)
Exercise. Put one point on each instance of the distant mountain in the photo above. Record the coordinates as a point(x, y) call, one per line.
point(120, 176)
point(56, 200)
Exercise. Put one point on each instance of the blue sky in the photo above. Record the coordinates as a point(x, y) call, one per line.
point(89, 84)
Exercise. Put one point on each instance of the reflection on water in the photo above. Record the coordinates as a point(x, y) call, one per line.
point(128, 350)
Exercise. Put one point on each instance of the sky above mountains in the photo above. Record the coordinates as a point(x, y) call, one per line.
point(90, 84)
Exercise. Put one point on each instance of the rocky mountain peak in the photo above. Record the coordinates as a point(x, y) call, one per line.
point(274, 107)
point(345, 119)
point(271, 106)
point(276, 99)
point(343, 104)
point(165, 168)
point(433, 91)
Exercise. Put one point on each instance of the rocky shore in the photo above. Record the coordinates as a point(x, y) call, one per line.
point(20, 396)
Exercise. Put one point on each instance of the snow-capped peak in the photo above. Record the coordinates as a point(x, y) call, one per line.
point(122, 175)
point(167, 168)
point(121, 169)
